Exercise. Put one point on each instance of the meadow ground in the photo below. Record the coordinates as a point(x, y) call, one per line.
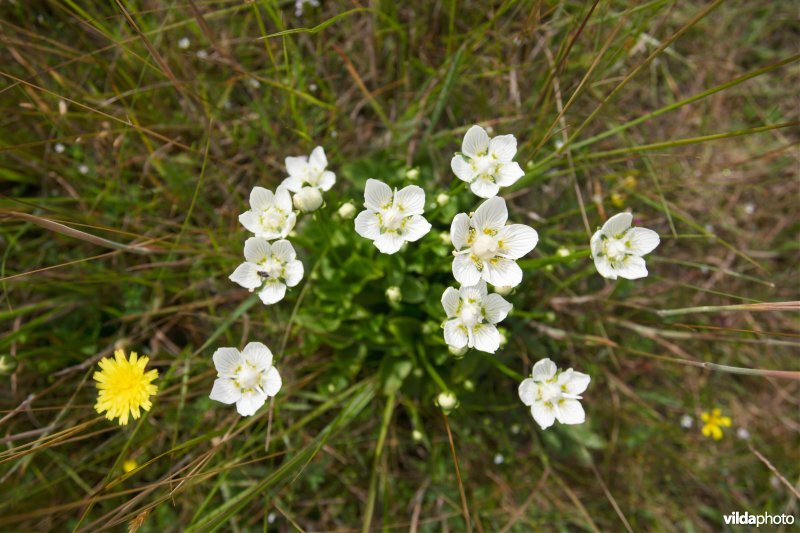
point(133, 132)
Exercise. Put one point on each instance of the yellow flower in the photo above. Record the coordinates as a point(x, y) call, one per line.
point(713, 423)
point(124, 386)
point(129, 465)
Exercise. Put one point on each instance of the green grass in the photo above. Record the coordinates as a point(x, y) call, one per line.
point(684, 112)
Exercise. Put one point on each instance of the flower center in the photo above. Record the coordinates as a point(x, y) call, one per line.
point(248, 377)
point(550, 392)
point(273, 218)
point(470, 314)
point(483, 164)
point(392, 218)
point(615, 249)
point(272, 267)
point(485, 246)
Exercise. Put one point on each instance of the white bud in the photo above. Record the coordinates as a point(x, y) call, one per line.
point(469, 385)
point(83, 169)
point(412, 174)
point(184, 43)
point(742, 433)
point(503, 337)
point(447, 401)
point(499, 459)
point(62, 107)
point(347, 211)
point(504, 290)
point(458, 352)
point(202, 54)
point(445, 237)
point(393, 294)
point(563, 252)
point(59, 148)
point(307, 199)
point(442, 199)
point(686, 421)
point(416, 435)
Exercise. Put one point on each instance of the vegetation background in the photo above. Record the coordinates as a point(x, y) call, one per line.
point(127, 152)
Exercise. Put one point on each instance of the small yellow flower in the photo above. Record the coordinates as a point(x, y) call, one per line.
point(713, 423)
point(618, 199)
point(124, 386)
point(129, 465)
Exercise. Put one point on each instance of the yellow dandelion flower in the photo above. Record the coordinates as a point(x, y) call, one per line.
point(129, 465)
point(124, 386)
point(713, 423)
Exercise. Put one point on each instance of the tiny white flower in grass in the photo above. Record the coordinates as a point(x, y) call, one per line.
point(554, 395)
point(447, 401)
point(442, 199)
point(472, 315)
point(246, 379)
point(617, 248)
point(202, 54)
point(486, 164)
point(392, 218)
point(347, 211)
point(59, 148)
point(184, 43)
point(270, 215)
point(687, 422)
point(487, 249)
point(412, 174)
point(271, 266)
point(309, 171)
point(83, 169)
point(742, 433)
point(499, 459)
point(307, 199)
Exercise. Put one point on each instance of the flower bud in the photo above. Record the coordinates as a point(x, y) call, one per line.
point(307, 199)
point(504, 290)
point(447, 401)
point(445, 238)
point(347, 211)
point(563, 252)
point(416, 435)
point(393, 294)
point(412, 174)
point(458, 352)
point(442, 198)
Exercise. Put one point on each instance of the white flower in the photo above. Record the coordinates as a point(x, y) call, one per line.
point(347, 211)
point(309, 171)
point(59, 148)
point(247, 378)
point(742, 433)
point(687, 422)
point(617, 248)
point(83, 169)
point(202, 54)
point(486, 248)
point(307, 199)
point(184, 43)
point(499, 459)
point(554, 395)
point(447, 401)
point(270, 215)
point(486, 164)
point(272, 265)
point(472, 315)
point(392, 218)
point(393, 294)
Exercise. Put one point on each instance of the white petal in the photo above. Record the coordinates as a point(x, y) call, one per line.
point(462, 169)
point(261, 199)
point(290, 222)
point(517, 240)
point(283, 251)
point(491, 214)
point(633, 267)
point(273, 292)
point(247, 276)
point(508, 174)
point(575, 382)
point(368, 225)
point(256, 249)
point(503, 147)
point(543, 370)
point(258, 355)
point(271, 382)
point(604, 267)
point(450, 299)
point(484, 188)
point(227, 361)
point(389, 242)
point(225, 390)
point(642, 240)
point(377, 195)
point(410, 200)
point(327, 180)
point(496, 308)
point(527, 391)
point(297, 167)
point(476, 141)
point(596, 243)
point(502, 272)
point(544, 416)
point(283, 199)
point(455, 334)
point(459, 230)
point(292, 183)
point(250, 402)
point(415, 228)
point(250, 221)
point(571, 412)
point(617, 224)
point(318, 158)
point(293, 273)
point(465, 271)
point(487, 338)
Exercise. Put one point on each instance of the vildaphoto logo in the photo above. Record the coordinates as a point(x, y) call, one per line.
point(765, 519)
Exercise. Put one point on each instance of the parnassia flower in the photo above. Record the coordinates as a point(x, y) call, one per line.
point(270, 215)
point(274, 266)
point(246, 379)
point(309, 171)
point(392, 218)
point(487, 249)
point(472, 315)
point(125, 387)
point(486, 164)
point(617, 248)
point(554, 395)
point(307, 199)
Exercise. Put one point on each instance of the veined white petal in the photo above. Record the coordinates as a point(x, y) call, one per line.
point(288, 226)
point(297, 167)
point(225, 390)
point(544, 416)
point(292, 183)
point(517, 240)
point(450, 300)
point(227, 361)
point(273, 292)
point(246, 275)
point(258, 355)
point(496, 308)
point(250, 221)
point(491, 215)
point(416, 227)
point(642, 240)
point(283, 199)
point(487, 338)
point(570, 412)
point(502, 272)
point(503, 147)
point(389, 242)
point(465, 271)
point(484, 188)
point(318, 158)
point(327, 180)
point(283, 251)
point(633, 267)
point(508, 174)
point(250, 402)
point(271, 382)
point(476, 141)
point(527, 391)
point(368, 225)
point(256, 249)
point(543, 370)
point(459, 230)
point(410, 200)
point(596, 243)
point(455, 334)
point(293, 273)
point(575, 382)
point(462, 169)
point(604, 267)
point(377, 195)
point(617, 224)
point(261, 199)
